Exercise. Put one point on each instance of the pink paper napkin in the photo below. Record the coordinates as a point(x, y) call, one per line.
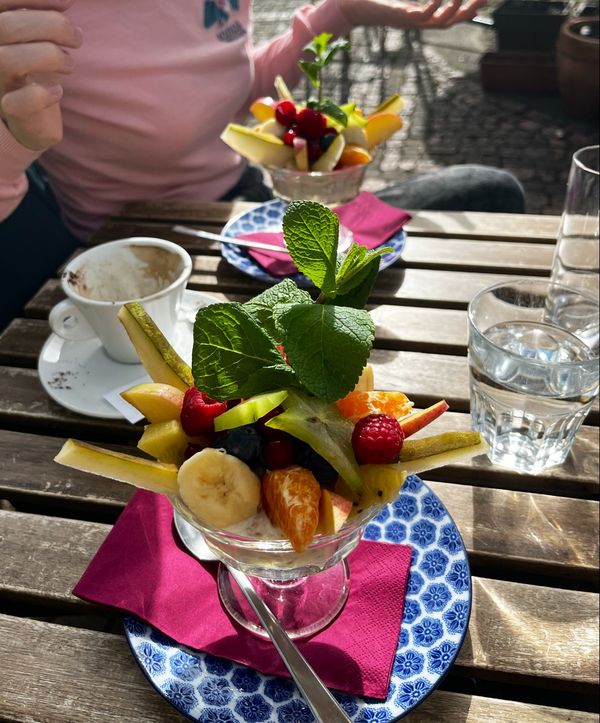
point(141, 569)
point(371, 221)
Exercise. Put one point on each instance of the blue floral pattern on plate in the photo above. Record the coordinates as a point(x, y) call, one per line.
point(269, 217)
point(436, 615)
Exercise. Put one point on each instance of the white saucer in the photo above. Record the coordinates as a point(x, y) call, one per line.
point(77, 374)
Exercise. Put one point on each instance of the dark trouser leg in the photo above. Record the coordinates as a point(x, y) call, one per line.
point(33, 244)
point(459, 188)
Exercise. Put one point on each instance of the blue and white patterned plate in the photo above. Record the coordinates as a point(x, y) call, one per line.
point(269, 217)
point(436, 614)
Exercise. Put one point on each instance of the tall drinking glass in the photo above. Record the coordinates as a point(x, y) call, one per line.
point(576, 257)
point(533, 362)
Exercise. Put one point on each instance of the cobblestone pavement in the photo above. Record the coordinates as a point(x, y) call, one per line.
point(448, 117)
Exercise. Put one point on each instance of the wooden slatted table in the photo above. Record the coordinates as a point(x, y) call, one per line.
point(531, 653)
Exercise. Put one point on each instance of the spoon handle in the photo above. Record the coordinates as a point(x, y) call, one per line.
point(324, 706)
point(227, 240)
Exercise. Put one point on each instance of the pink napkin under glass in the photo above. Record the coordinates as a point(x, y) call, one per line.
point(140, 568)
point(371, 221)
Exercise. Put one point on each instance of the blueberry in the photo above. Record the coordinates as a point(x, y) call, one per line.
point(245, 443)
point(319, 466)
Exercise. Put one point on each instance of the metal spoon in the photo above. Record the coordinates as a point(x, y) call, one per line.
point(228, 240)
point(324, 706)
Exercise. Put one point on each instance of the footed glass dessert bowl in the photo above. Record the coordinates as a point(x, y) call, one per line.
point(305, 590)
point(327, 187)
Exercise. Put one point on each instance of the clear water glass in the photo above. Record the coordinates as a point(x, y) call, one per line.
point(533, 363)
point(576, 256)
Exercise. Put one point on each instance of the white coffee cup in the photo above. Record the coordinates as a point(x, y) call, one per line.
point(101, 279)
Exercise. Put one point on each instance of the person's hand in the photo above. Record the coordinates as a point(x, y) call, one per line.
point(33, 59)
point(406, 15)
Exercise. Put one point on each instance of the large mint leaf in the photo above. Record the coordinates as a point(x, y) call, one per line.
point(261, 306)
point(233, 357)
point(311, 236)
point(327, 346)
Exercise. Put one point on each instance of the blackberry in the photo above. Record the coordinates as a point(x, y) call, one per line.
point(245, 443)
point(318, 465)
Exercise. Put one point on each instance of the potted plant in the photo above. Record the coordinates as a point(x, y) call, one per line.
point(577, 56)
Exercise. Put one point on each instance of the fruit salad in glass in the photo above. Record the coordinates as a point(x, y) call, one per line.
point(314, 150)
point(274, 444)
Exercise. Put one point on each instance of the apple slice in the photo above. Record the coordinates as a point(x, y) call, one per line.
point(380, 127)
point(300, 153)
point(271, 127)
point(144, 473)
point(366, 381)
point(165, 441)
point(258, 147)
point(249, 411)
point(263, 109)
point(328, 161)
point(157, 402)
point(334, 510)
point(159, 358)
point(418, 420)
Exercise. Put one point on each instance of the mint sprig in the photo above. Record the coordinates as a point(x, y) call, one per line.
point(324, 52)
point(237, 350)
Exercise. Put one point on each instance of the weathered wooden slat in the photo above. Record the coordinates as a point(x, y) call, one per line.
point(461, 224)
point(473, 224)
point(419, 251)
point(108, 680)
point(24, 405)
point(518, 530)
point(516, 629)
point(396, 327)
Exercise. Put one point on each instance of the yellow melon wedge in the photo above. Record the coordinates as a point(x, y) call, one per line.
point(283, 92)
point(328, 161)
point(393, 104)
point(380, 127)
point(441, 459)
point(160, 360)
point(147, 474)
point(258, 147)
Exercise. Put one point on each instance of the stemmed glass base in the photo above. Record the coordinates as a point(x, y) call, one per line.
point(303, 605)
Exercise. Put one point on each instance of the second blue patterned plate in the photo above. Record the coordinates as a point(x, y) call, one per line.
point(269, 217)
point(207, 689)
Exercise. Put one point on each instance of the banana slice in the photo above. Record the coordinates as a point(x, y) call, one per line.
point(218, 488)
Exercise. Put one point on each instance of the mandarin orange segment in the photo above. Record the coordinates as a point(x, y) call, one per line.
point(291, 501)
point(357, 405)
point(354, 155)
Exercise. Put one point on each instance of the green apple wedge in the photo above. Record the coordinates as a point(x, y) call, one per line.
point(160, 360)
point(147, 474)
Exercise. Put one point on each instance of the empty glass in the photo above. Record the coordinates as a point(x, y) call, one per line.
point(576, 257)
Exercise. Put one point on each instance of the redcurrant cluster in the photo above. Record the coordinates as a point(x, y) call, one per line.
point(305, 123)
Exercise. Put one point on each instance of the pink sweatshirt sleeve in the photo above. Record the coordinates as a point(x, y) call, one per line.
point(280, 56)
point(14, 159)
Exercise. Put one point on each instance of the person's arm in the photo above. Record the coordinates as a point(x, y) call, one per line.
point(338, 17)
point(33, 38)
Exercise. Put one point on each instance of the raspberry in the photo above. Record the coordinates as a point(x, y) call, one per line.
point(285, 112)
point(198, 412)
point(279, 453)
point(377, 439)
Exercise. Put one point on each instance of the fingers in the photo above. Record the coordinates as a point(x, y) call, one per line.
point(35, 4)
point(19, 61)
point(27, 26)
point(455, 12)
point(33, 115)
